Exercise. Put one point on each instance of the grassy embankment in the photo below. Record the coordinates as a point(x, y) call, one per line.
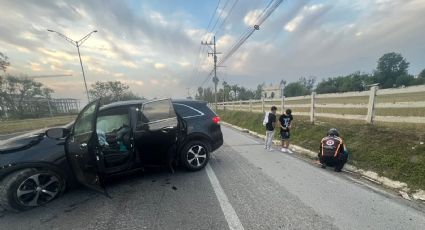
point(392, 150)
point(12, 126)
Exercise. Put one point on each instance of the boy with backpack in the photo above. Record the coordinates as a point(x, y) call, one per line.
point(270, 123)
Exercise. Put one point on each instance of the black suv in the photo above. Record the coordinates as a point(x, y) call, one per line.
point(103, 141)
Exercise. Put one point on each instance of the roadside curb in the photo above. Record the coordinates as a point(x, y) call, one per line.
point(401, 187)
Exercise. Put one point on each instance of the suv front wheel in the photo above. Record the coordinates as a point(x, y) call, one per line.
point(29, 188)
point(195, 155)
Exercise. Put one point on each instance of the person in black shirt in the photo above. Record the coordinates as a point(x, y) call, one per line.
point(285, 121)
point(270, 126)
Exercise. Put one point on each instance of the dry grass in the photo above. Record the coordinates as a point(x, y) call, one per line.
point(12, 126)
point(405, 97)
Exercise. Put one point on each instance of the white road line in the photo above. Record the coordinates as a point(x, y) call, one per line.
point(228, 211)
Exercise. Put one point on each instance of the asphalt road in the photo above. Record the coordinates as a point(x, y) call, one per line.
point(245, 187)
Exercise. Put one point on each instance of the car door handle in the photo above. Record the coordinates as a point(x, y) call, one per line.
point(83, 145)
point(167, 129)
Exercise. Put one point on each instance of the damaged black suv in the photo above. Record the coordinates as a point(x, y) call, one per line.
point(103, 141)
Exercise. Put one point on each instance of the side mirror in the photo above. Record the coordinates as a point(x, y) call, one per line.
point(56, 133)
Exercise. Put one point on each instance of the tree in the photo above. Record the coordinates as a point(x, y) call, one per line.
point(111, 91)
point(422, 74)
point(421, 78)
point(4, 62)
point(296, 89)
point(226, 91)
point(258, 92)
point(308, 83)
point(390, 67)
point(19, 95)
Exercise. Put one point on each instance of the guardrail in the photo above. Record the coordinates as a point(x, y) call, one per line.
point(312, 102)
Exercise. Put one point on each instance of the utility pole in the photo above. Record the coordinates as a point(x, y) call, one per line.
point(78, 44)
point(188, 93)
point(215, 78)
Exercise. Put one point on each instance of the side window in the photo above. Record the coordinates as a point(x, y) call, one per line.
point(157, 110)
point(186, 111)
point(84, 122)
point(112, 119)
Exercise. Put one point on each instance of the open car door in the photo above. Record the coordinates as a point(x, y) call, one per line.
point(82, 149)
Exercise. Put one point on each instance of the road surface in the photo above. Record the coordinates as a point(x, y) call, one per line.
point(244, 187)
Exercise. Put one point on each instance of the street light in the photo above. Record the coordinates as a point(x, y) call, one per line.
point(77, 44)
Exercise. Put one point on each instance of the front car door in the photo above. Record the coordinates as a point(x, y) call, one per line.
point(82, 149)
point(156, 132)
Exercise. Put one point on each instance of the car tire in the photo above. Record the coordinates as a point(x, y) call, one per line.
point(29, 188)
point(195, 155)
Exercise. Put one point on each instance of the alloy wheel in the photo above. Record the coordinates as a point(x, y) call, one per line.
point(196, 155)
point(38, 189)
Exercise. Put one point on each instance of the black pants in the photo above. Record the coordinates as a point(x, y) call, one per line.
point(337, 162)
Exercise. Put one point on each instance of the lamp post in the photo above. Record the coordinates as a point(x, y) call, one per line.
point(77, 44)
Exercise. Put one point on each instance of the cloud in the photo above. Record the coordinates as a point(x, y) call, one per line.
point(159, 66)
point(306, 12)
point(252, 17)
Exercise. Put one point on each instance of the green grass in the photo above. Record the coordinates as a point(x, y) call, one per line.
point(393, 151)
point(12, 126)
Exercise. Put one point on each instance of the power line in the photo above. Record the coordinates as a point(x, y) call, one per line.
point(266, 13)
point(221, 13)
point(268, 10)
point(201, 47)
point(227, 16)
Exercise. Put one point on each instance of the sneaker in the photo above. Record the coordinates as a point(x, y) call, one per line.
point(289, 151)
point(270, 150)
point(283, 150)
point(337, 170)
point(322, 166)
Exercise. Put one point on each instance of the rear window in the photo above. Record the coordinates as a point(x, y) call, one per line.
point(187, 111)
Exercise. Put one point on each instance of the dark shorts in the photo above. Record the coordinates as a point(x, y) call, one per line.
point(285, 135)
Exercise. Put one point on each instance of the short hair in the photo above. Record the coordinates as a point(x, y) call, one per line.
point(273, 108)
point(288, 111)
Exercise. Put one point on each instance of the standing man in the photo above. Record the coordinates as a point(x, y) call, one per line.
point(270, 126)
point(285, 121)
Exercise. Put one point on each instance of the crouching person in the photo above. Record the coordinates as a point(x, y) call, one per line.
point(333, 152)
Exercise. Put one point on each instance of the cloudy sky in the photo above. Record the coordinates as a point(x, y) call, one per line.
point(154, 45)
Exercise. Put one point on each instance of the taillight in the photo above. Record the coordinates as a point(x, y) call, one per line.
point(216, 119)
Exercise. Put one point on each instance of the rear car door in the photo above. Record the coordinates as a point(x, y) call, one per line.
point(156, 132)
point(82, 149)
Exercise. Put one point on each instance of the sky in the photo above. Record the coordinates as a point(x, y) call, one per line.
point(155, 46)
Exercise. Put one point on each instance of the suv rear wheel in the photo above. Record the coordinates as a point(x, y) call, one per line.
point(29, 188)
point(195, 155)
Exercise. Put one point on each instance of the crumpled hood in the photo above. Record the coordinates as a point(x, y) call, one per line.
point(22, 141)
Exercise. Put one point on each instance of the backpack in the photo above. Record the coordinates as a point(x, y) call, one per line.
point(266, 119)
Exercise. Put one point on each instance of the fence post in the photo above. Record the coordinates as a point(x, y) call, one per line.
point(240, 105)
point(250, 105)
point(312, 107)
point(371, 105)
point(262, 104)
point(282, 104)
point(233, 104)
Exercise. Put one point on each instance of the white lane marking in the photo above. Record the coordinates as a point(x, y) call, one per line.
point(228, 211)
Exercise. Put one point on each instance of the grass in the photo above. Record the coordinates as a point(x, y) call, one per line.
point(12, 126)
point(393, 151)
point(405, 97)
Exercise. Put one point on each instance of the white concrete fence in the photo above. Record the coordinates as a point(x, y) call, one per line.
point(310, 102)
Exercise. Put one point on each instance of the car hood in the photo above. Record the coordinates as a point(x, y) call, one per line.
point(22, 141)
